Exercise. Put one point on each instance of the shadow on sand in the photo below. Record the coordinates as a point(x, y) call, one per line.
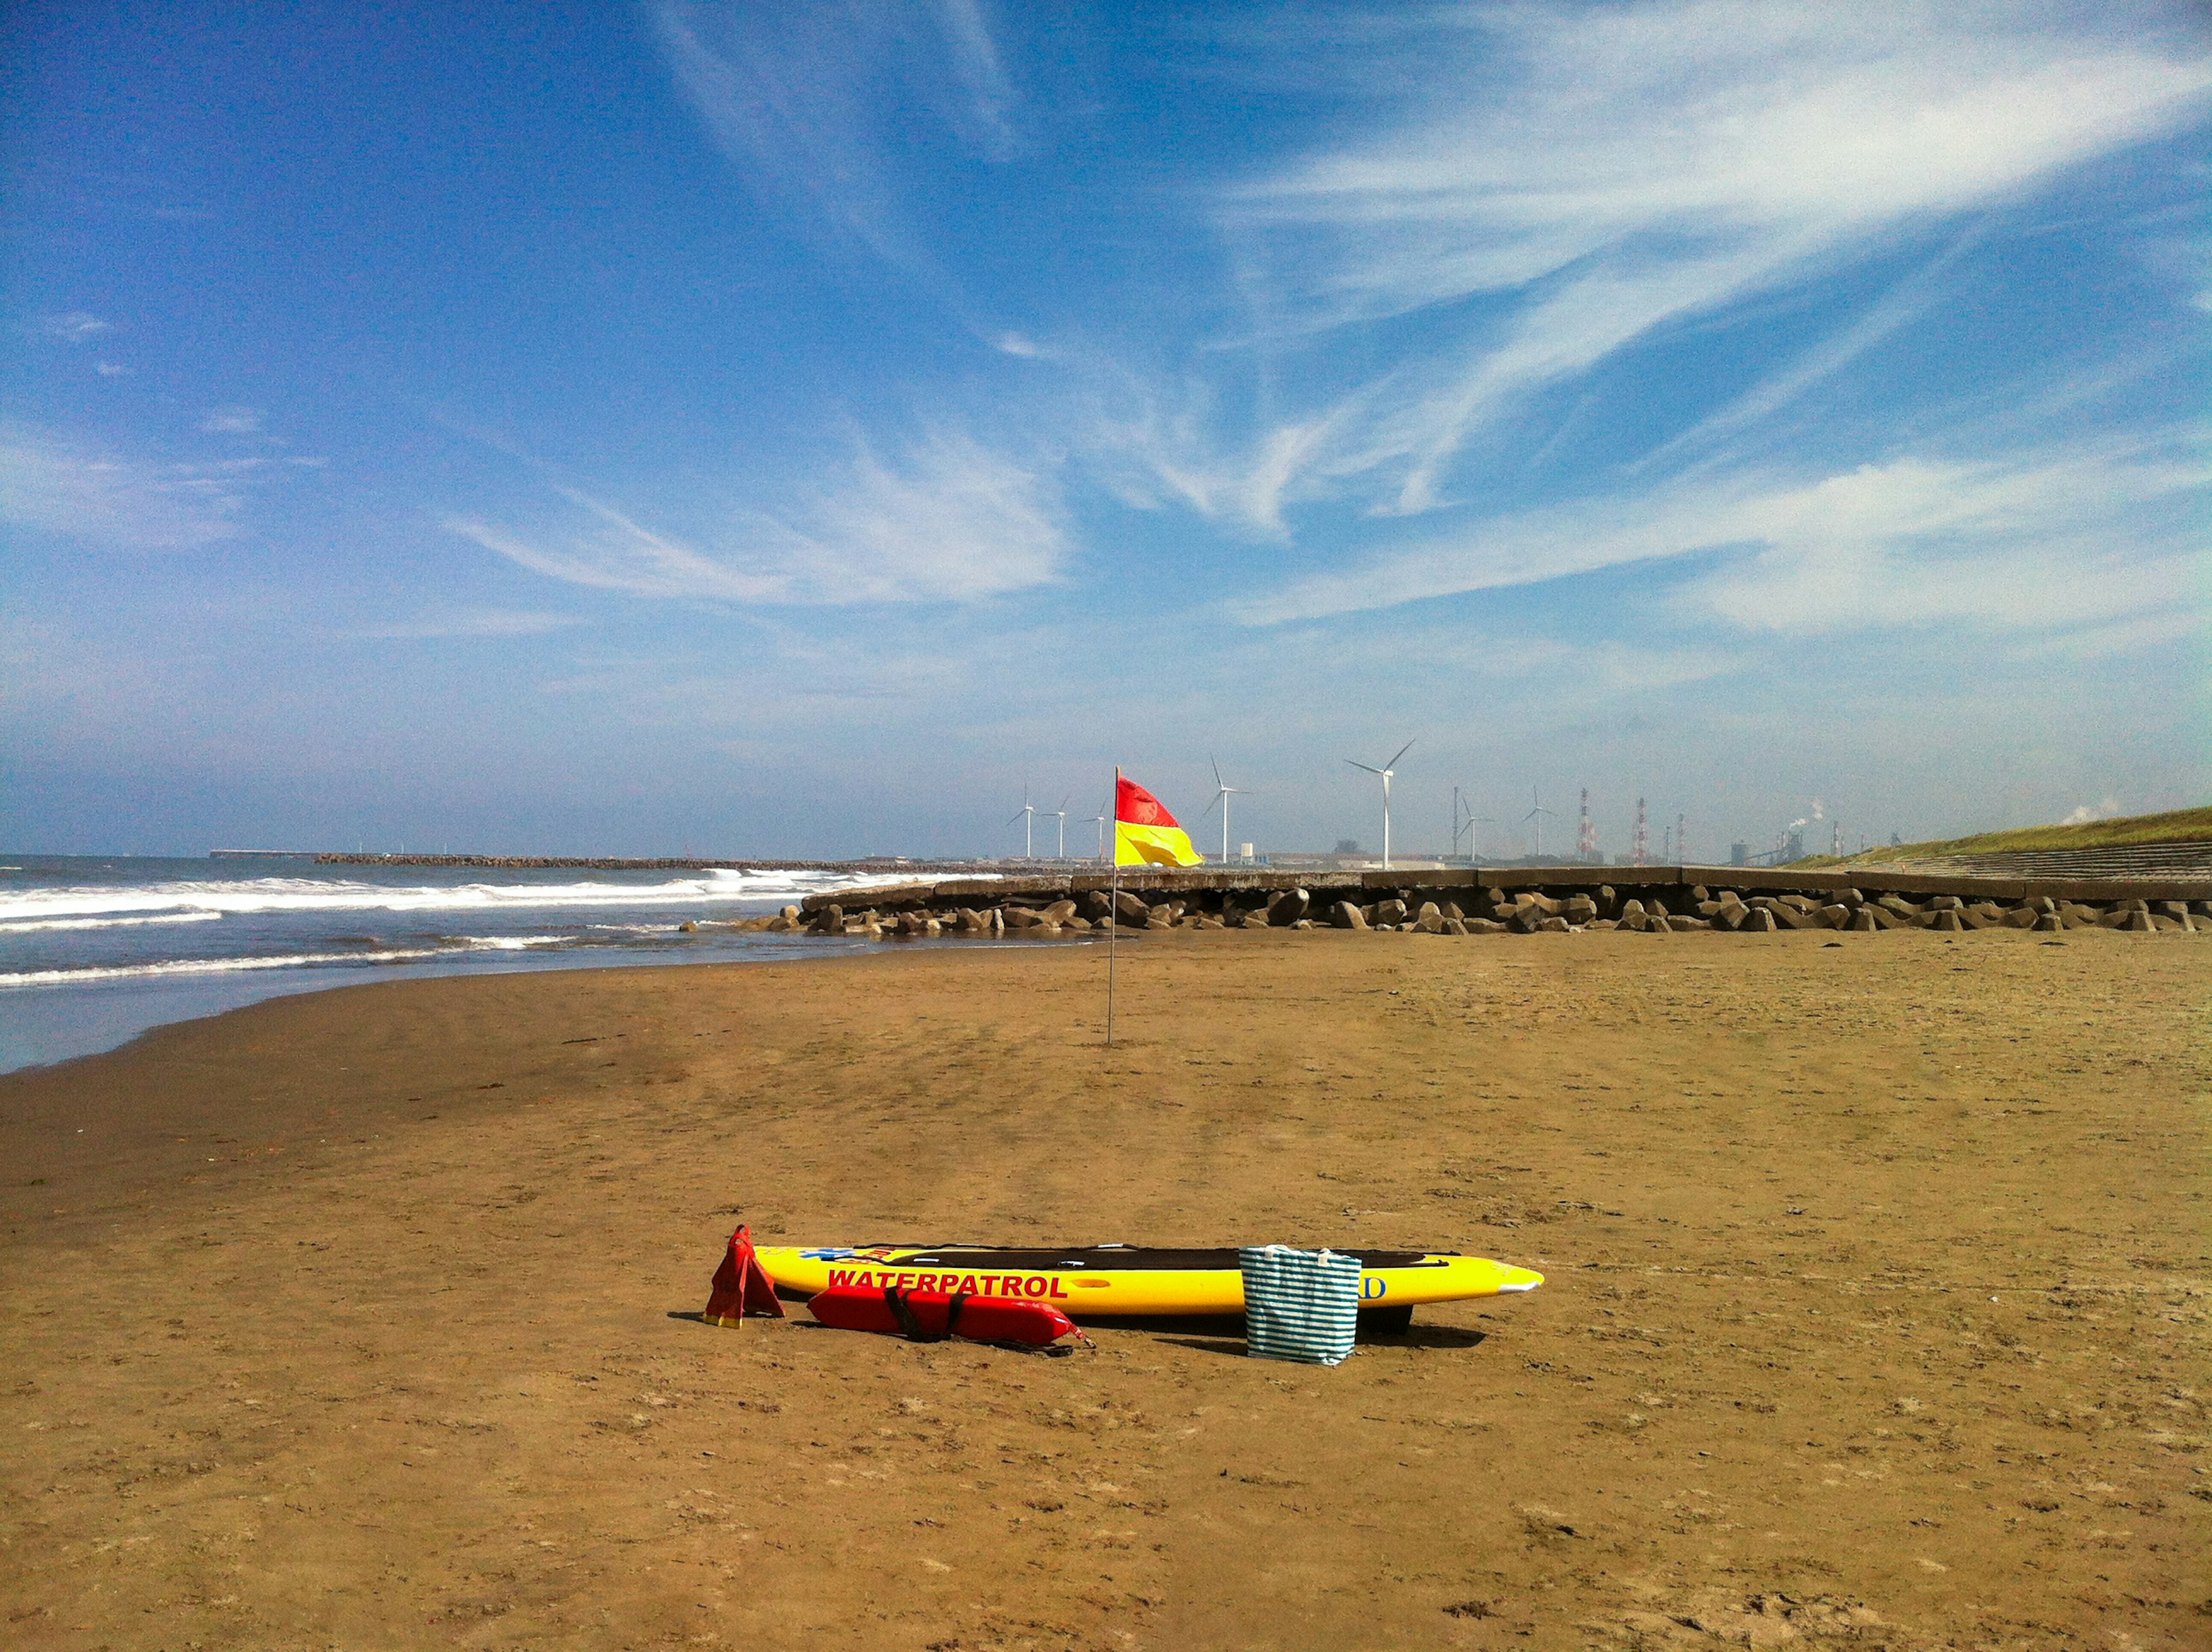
point(1224, 1334)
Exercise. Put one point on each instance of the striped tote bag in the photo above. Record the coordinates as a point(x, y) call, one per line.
point(1299, 1304)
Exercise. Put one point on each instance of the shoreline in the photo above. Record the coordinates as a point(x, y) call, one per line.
point(400, 1334)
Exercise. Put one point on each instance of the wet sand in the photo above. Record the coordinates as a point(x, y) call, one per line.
point(1876, 1311)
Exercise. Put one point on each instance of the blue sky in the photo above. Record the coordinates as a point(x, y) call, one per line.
point(793, 429)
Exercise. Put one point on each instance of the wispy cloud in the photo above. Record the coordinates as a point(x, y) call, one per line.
point(2026, 539)
point(474, 623)
point(74, 327)
point(813, 104)
point(949, 519)
point(233, 421)
point(1633, 167)
point(94, 496)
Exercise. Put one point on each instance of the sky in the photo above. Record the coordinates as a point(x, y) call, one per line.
point(795, 429)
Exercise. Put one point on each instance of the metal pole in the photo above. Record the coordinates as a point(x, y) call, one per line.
point(1113, 901)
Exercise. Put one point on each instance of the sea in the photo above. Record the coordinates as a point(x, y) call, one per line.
point(96, 949)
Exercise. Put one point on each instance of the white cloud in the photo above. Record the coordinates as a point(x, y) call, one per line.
point(474, 623)
point(810, 102)
point(110, 369)
point(233, 421)
point(2031, 540)
point(2084, 813)
point(52, 485)
point(2133, 634)
point(1632, 167)
point(949, 521)
point(75, 327)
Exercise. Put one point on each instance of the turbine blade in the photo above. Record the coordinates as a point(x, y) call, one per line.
point(1402, 750)
point(1216, 770)
point(1361, 765)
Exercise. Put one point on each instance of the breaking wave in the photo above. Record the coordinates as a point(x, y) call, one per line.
point(189, 901)
point(109, 923)
point(202, 967)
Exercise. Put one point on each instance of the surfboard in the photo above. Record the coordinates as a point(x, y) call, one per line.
point(1128, 1280)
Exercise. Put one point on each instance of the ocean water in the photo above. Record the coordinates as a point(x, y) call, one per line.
point(94, 951)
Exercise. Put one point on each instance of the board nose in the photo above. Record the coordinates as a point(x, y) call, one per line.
point(1520, 1278)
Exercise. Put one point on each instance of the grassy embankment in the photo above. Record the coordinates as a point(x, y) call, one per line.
point(2180, 826)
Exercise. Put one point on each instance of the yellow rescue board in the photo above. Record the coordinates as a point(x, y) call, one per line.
point(1107, 1280)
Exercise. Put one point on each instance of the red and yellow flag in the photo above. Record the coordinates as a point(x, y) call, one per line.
point(1145, 833)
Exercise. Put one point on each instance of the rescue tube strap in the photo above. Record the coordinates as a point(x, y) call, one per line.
point(910, 1326)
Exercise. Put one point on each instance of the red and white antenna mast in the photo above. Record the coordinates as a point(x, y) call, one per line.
point(1586, 839)
point(1640, 853)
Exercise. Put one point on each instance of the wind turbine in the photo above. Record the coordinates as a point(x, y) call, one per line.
point(1101, 819)
point(1465, 820)
point(1027, 818)
point(1385, 771)
point(1537, 815)
point(1061, 814)
point(1221, 792)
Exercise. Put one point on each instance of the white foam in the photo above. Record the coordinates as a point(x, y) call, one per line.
point(217, 898)
point(202, 967)
point(110, 923)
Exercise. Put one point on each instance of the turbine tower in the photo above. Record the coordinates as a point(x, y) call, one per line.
point(1385, 771)
point(1681, 838)
point(1061, 814)
point(1221, 792)
point(1586, 833)
point(1641, 851)
point(1101, 819)
point(1537, 814)
point(1465, 820)
point(1027, 818)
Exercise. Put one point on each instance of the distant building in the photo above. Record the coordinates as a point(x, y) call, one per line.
point(1739, 854)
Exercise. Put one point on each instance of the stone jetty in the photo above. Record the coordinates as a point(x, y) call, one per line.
point(1497, 901)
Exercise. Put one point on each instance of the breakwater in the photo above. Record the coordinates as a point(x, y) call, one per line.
point(1657, 900)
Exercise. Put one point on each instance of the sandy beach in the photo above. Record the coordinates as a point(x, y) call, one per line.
point(1875, 1313)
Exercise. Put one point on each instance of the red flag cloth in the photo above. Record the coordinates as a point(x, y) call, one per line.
point(741, 1285)
point(1135, 806)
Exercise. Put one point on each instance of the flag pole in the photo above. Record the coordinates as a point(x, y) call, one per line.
point(1113, 902)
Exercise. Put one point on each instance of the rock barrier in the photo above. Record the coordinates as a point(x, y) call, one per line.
point(1644, 900)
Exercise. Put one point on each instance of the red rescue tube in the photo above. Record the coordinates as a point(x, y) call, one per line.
point(931, 1313)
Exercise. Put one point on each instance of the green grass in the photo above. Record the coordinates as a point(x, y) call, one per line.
point(2181, 826)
